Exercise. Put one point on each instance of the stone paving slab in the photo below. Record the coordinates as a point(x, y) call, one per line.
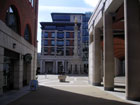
point(75, 91)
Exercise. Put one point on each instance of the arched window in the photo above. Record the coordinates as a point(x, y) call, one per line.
point(27, 34)
point(12, 19)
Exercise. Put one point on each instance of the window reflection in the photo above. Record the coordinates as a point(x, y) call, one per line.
point(12, 19)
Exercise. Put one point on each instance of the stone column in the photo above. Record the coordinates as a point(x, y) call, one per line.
point(117, 67)
point(18, 73)
point(132, 49)
point(96, 58)
point(1, 69)
point(90, 59)
point(41, 71)
point(108, 52)
point(56, 67)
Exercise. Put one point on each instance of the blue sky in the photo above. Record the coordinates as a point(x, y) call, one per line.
point(66, 6)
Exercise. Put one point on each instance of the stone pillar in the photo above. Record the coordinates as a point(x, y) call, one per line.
point(108, 53)
point(96, 58)
point(41, 66)
point(90, 59)
point(102, 71)
point(1, 69)
point(56, 67)
point(117, 67)
point(18, 73)
point(132, 49)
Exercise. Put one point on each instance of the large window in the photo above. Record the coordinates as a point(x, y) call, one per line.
point(68, 43)
point(45, 50)
point(52, 43)
point(52, 35)
point(12, 19)
point(32, 2)
point(60, 35)
point(85, 39)
point(52, 52)
point(69, 28)
point(45, 42)
point(60, 42)
point(45, 34)
point(67, 34)
point(61, 17)
point(50, 27)
point(68, 51)
point(27, 34)
point(60, 51)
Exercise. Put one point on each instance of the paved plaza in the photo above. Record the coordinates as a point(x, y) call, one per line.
point(75, 91)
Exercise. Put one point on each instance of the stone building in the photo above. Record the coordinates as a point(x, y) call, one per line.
point(18, 43)
point(63, 42)
point(114, 30)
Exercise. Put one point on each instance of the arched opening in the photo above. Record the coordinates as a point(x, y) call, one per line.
point(12, 19)
point(27, 34)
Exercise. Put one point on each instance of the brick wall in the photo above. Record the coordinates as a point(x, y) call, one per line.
point(27, 15)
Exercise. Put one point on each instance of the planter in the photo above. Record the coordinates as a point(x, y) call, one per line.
point(62, 78)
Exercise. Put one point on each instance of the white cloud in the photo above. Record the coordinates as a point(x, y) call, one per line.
point(92, 3)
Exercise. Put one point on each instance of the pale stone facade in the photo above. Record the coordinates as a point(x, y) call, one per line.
point(12, 43)
point(105, 18)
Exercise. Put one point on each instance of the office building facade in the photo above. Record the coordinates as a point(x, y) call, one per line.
point(63, 41)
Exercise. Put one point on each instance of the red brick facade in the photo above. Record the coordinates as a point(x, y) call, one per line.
point(27, 15)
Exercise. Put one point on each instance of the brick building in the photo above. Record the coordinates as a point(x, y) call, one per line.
point(18, 43)
point(63, 43)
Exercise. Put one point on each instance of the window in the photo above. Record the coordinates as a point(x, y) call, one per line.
point(68, 43)
point(67, 34)
point(12, 19)
point(27, 34)
point(60, 28)
point(46, 35)
point(60, 43)
point(50, 27)
point(45, 50)
point(32, 2)
point(45, 42)
point(52, 42)
point(61, 17)
point(52, 35)
point(60, 35)
point(68, 51)
point(60, 51)
point(52, 51)
point(85, 39)
point(69, 28)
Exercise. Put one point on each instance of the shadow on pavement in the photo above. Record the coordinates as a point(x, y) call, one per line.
point(51, 96)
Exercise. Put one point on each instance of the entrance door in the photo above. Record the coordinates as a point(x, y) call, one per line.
point(8, 74)
point(49, 67)
point(60, 67)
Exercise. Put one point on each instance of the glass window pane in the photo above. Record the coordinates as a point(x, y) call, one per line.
point(60, 51)
point(52, 35)
point(60, 35)
point(46, 35)
point(52, 42)
point(68, 43)
point(60, 43)
point(67, 34)
point(45, 42)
